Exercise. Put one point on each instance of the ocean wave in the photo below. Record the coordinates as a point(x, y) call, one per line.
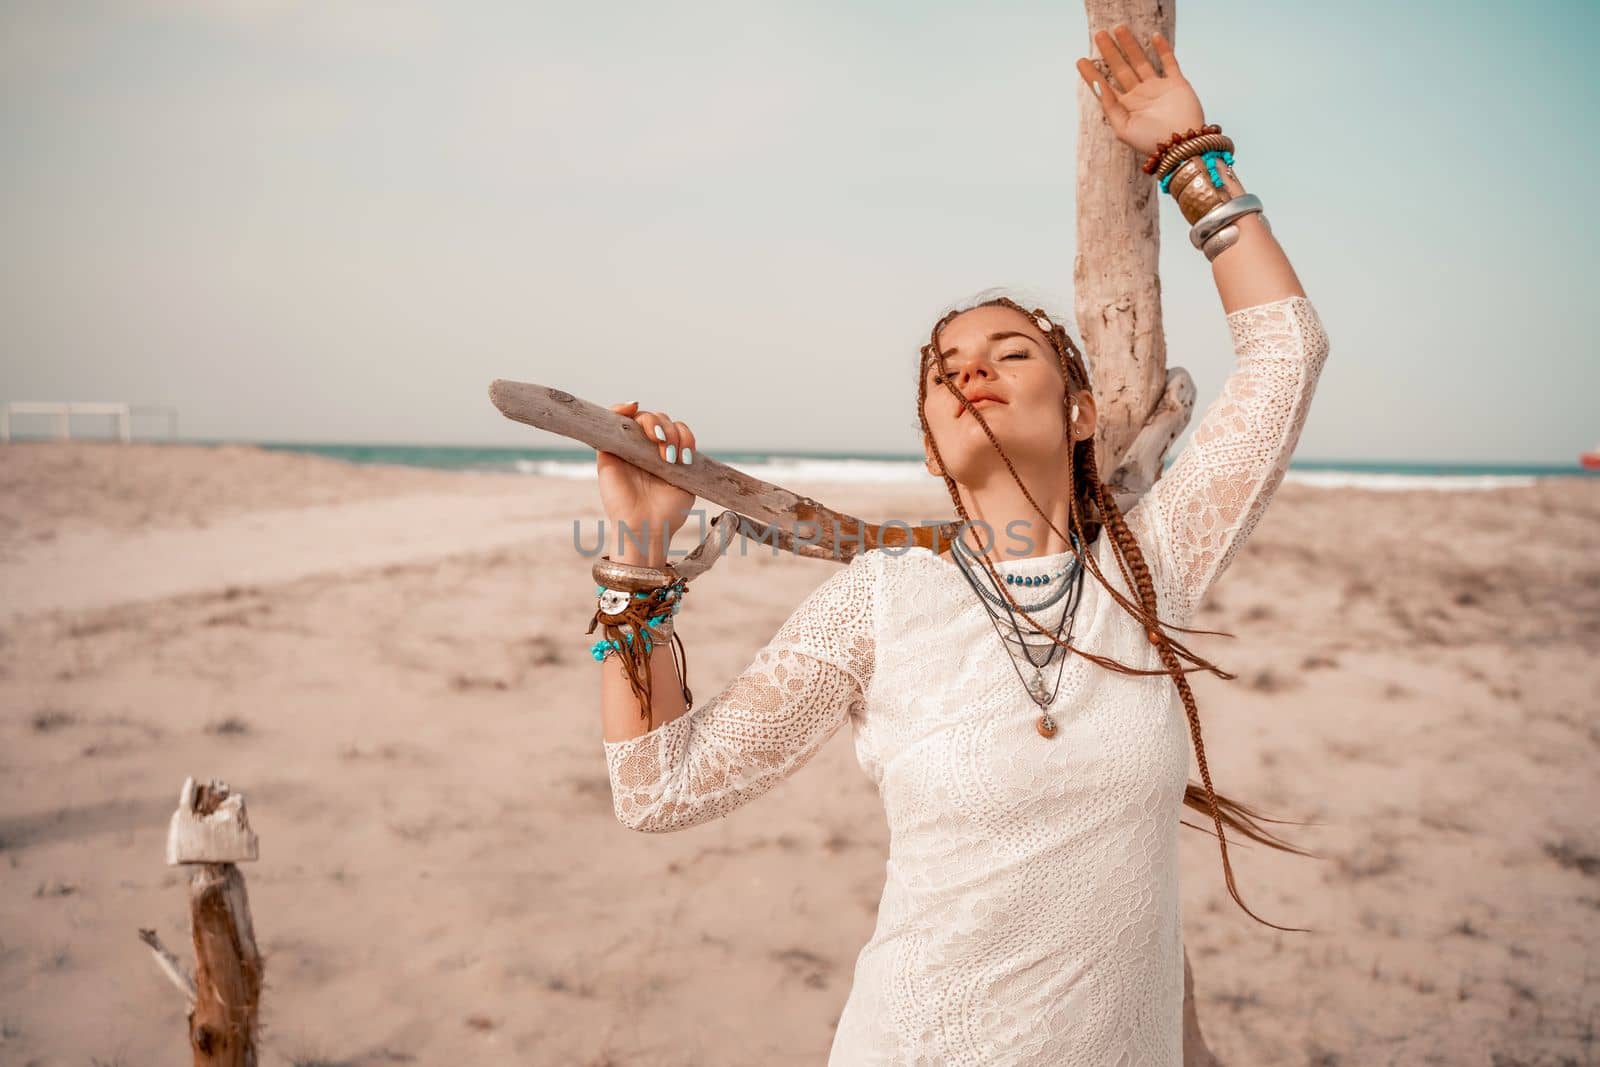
point(786, 469)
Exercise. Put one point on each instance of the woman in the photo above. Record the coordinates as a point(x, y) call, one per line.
point(1032, 783)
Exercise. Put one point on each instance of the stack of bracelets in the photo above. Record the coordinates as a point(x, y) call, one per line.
point(1186, 166)
point(639, 602)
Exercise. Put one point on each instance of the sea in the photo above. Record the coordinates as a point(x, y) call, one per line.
point(782, 467)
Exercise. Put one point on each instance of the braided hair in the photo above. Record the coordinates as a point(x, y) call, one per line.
point(1094, 508)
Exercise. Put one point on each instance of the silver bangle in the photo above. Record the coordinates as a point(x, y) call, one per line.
point(1220, 242)
point(1206, 226)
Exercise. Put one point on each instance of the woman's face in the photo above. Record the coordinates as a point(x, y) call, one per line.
point(998, 353)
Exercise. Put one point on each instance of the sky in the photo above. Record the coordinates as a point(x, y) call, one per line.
point(339, 222)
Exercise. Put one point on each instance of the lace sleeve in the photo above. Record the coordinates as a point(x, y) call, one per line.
point(1203, 508)
point(766, 724)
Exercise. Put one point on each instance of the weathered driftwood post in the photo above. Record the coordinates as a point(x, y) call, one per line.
point(210, 833)
point(1144, 404)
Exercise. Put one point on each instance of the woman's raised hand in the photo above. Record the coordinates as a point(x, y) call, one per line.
point(632, 495)
point(1144, 107)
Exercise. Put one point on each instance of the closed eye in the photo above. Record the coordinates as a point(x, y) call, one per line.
point(939, 377)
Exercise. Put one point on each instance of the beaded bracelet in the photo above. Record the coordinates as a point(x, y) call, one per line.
point(608, 647)
point(1174, 157)
point(1154, 159)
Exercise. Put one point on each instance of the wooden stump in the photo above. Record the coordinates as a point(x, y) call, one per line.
point(208, 833)
point(222, 1025)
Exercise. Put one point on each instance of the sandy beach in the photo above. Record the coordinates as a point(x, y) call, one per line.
point(391, 664)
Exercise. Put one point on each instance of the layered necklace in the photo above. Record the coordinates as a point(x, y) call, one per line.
point(1049, 589)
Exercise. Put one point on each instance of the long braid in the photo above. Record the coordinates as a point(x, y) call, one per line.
point(1129, 547)
point(1093, 505)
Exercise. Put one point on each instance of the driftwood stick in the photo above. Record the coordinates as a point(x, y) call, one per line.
point(758, 510)
point(730, 524)
point(804, 525)
point(169, 964)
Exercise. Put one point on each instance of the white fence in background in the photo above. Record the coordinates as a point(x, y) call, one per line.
point(62, 413)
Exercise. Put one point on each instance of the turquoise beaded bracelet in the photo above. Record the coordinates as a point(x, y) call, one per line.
point(1210, 159)
point(603, 648)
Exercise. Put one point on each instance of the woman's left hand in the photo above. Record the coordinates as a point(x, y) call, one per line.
point(1149, 107)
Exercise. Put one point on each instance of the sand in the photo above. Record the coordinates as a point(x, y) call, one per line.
point(391, 664)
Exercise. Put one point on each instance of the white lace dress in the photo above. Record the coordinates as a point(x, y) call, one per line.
point(1030, 910)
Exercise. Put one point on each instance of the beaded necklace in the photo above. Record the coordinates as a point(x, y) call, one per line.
point(1068, 580)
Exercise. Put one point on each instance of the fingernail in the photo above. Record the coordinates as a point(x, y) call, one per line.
point(688, 455)
point(672, 453)
point(661, 435)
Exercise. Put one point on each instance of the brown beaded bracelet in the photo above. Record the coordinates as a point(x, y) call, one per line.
point(1154, 159)
point(1194, 146)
